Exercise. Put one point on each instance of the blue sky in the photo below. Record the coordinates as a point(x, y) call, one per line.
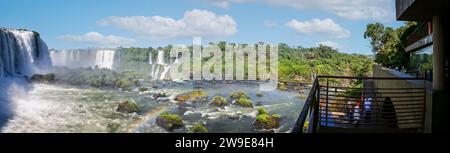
point(108, 23)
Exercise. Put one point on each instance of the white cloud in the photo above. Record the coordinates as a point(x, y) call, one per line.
point(219, 3)
point(270, 24)
point(98, 39)
point(330, 44)
point(194, 23)
point(326, 28)
point(379, 10)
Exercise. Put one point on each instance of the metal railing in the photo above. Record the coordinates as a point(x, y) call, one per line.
point(368, 104)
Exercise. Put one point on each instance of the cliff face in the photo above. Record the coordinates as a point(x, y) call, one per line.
point(22, 53)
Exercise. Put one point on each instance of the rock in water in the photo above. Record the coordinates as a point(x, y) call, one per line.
point(169, 121)
point(43, 78)
point(218, 101)
point(128, 107)
point(266, 121)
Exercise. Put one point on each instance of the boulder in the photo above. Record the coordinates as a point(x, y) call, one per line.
point(219, 101)
point(43, 78)
point(199, 128)
point(128, 107)
point(244, 102)
point(266, 121)
point(169, 121)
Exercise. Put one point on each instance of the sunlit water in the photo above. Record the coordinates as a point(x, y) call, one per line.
point(60, 108)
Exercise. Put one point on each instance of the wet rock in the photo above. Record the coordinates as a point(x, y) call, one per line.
point(194, 96)
point(282, 86)
point(128, 107)
point(234, 117)
point(259, 94)
point(43, 78)
point(169, 121)
point(143, 89)
point(219, 101)
point(266, 121)
point(159, 95)
point(238, 95)
point(199, 128)
point(244, 102)
point(258, 104)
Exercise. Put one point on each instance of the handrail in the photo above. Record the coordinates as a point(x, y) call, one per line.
point(316, 115)
point(369, 78)
point(307, 108)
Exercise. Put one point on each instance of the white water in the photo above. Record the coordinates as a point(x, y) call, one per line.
point(83, 58)
point(105, 59)
point(23, 53)
point(160, 58)
point(150, 60)
point(156, 72)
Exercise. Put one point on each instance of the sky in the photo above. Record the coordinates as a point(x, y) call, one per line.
point(68, 24)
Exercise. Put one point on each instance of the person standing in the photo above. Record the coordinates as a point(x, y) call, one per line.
point(356, 113)
point(367, 108)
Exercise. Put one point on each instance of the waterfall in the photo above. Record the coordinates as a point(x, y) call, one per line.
point(160, 57)
point(150, 60)
point(105, 59)
point(160, 64)
point(83, 58)
point(22, 53)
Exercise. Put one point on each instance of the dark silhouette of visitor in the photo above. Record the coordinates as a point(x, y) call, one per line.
point(389, 113)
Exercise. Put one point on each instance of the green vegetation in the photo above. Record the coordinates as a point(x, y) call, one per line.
point(282, 86)
point(238, 95)
point(43, 78)
point(199, 128)
point(244, 102)
point(143, 89)
point(262, 111)
point(123, 83)
point(303, 64)
point(266, 121)
point(219, 101)
point(128, 106)
point(388, 43)
point(169, 121)
point(194, 96)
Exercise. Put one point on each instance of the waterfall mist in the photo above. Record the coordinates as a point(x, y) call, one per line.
point(22, 54)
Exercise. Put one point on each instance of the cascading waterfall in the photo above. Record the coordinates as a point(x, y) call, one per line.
point(23, 53)
point(150, 60)
point(160, 69)
point(105, 59)
point(83, 58)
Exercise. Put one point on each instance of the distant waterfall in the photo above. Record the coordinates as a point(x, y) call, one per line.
point(22, 53)
point(150, 60)
point(83, 58)
point(105, 59)
point(160, 69)
point(160, 57)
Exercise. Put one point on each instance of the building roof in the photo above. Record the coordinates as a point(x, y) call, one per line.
point(420, 10)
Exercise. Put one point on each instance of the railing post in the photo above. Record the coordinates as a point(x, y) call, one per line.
point(316, 119)
point(326, 104)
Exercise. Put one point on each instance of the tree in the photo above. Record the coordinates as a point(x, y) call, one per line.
point(388, 43)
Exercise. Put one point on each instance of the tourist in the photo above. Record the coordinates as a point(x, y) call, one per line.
point(349, 109)
point(356, 113)
point(367, 108)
